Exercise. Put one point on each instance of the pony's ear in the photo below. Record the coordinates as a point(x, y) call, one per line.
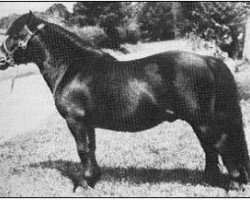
point(30, 14)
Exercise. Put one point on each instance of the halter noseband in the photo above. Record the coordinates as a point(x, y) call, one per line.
point(21, 44)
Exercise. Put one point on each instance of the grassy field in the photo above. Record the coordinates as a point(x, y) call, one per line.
point(165, 161)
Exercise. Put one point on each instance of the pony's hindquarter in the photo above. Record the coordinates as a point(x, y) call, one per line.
point(234, 151)
point(230, 140)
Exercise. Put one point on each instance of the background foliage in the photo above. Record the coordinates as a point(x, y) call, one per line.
point(116, 23)
point(222, 22)
point(156, 20)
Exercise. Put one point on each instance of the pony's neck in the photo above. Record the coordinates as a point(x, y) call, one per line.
point(62, 50)
point(62, 46)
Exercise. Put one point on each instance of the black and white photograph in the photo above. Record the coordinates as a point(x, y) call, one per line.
point(124, 99)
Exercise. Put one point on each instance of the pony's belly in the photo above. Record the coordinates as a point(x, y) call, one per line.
point(129, 124)
point(138, 121)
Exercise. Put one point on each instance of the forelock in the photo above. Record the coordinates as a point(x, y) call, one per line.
point(18, 25)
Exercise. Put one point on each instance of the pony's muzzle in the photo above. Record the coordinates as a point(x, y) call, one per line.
point(3, 58)
point(3, 61)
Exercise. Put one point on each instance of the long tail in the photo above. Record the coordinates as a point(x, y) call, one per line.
point(227, 101)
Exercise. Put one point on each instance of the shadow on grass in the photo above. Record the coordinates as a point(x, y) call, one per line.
point(136, 175)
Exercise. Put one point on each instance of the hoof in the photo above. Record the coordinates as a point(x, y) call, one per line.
point(85, 184)
point(238, 179)
point(212, 177)
point(92, 176)
point(234, 185)
point(237, 182)
point(88, 179)
point(82, 183)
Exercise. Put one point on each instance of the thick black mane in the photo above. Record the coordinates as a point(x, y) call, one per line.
point(83, 46)
point(71, 36)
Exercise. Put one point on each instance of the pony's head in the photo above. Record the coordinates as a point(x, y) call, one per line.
point(16, 48)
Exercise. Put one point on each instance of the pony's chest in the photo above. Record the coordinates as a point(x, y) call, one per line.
point(74, 98)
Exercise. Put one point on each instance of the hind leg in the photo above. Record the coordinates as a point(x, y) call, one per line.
point(207, 137)
point(85, 140)
point(235, 154)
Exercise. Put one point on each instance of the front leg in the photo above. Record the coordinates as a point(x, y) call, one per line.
point(85, 141)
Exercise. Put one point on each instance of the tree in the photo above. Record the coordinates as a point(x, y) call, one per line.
point(107, 15)
point(177, 18)
point(222, 22)
point(102, 13)
point(159, 20)
point(58, 10)
point(246, 50)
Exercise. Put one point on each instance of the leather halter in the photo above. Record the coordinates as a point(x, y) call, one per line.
point(21, 44)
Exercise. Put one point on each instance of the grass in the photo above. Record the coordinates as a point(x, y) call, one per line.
point(166, 161)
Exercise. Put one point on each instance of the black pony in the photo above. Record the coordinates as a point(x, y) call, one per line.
point(94, 90)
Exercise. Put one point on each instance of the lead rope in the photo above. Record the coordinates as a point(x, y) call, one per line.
point(13, 80)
